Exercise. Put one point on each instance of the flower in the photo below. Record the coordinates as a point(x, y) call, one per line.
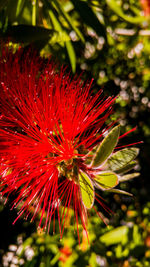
point(65, 253)
point(146, 7)
point(50, 130)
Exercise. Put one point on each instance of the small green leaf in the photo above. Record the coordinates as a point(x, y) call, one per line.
point(106, 180)
point(34, 12)
point(118, 191)
point(127, 168)
point(122, 158)
point(106, 147)
point(55, 21)
point(20, 5)
point(71, 55)
point(87, 190)
point(128, 176)
point(115, 236)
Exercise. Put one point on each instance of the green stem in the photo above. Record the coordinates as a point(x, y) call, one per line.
point(34, 11)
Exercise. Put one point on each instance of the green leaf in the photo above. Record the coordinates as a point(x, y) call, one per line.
point(67, 18)
point(118, 10)
point(68, 44)
point(115, 236)
point(71, 54)
point(106, 180)
point(34, 12)
point(89, 17)
point(122, 158)
point(106, 147)
point(55, 21)
point(90, 155)
point(128, 176)
point(61, 36)
point(20, 5)
point(118, 191)
point(127, 168)
point(87, 190)
point(28, 33)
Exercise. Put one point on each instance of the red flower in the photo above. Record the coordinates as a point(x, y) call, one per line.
point(65, 253)
point(48, 124)
point(146, 7)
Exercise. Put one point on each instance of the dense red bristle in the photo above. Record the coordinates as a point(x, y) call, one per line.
point(45, 118)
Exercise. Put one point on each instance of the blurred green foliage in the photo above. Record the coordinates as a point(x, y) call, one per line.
point(125, 245)
point(108, 40)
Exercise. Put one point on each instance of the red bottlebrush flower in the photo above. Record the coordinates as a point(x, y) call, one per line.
point(48, 126)
point(65, 253)
point(146, 7)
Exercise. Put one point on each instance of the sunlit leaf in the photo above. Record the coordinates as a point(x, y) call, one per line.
point(118, 191)
point(118, 10)
point(55, 21)
point(61, 35)
point(106, 147)
point(128, 176)
point(127, 168)
point(67, 18)
point(68, 44)
point(71, 54)
point(115, 236)
point(106, 180)
point(122, 158)
point(87, 190)
point(34, 12)
point(20, 5)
